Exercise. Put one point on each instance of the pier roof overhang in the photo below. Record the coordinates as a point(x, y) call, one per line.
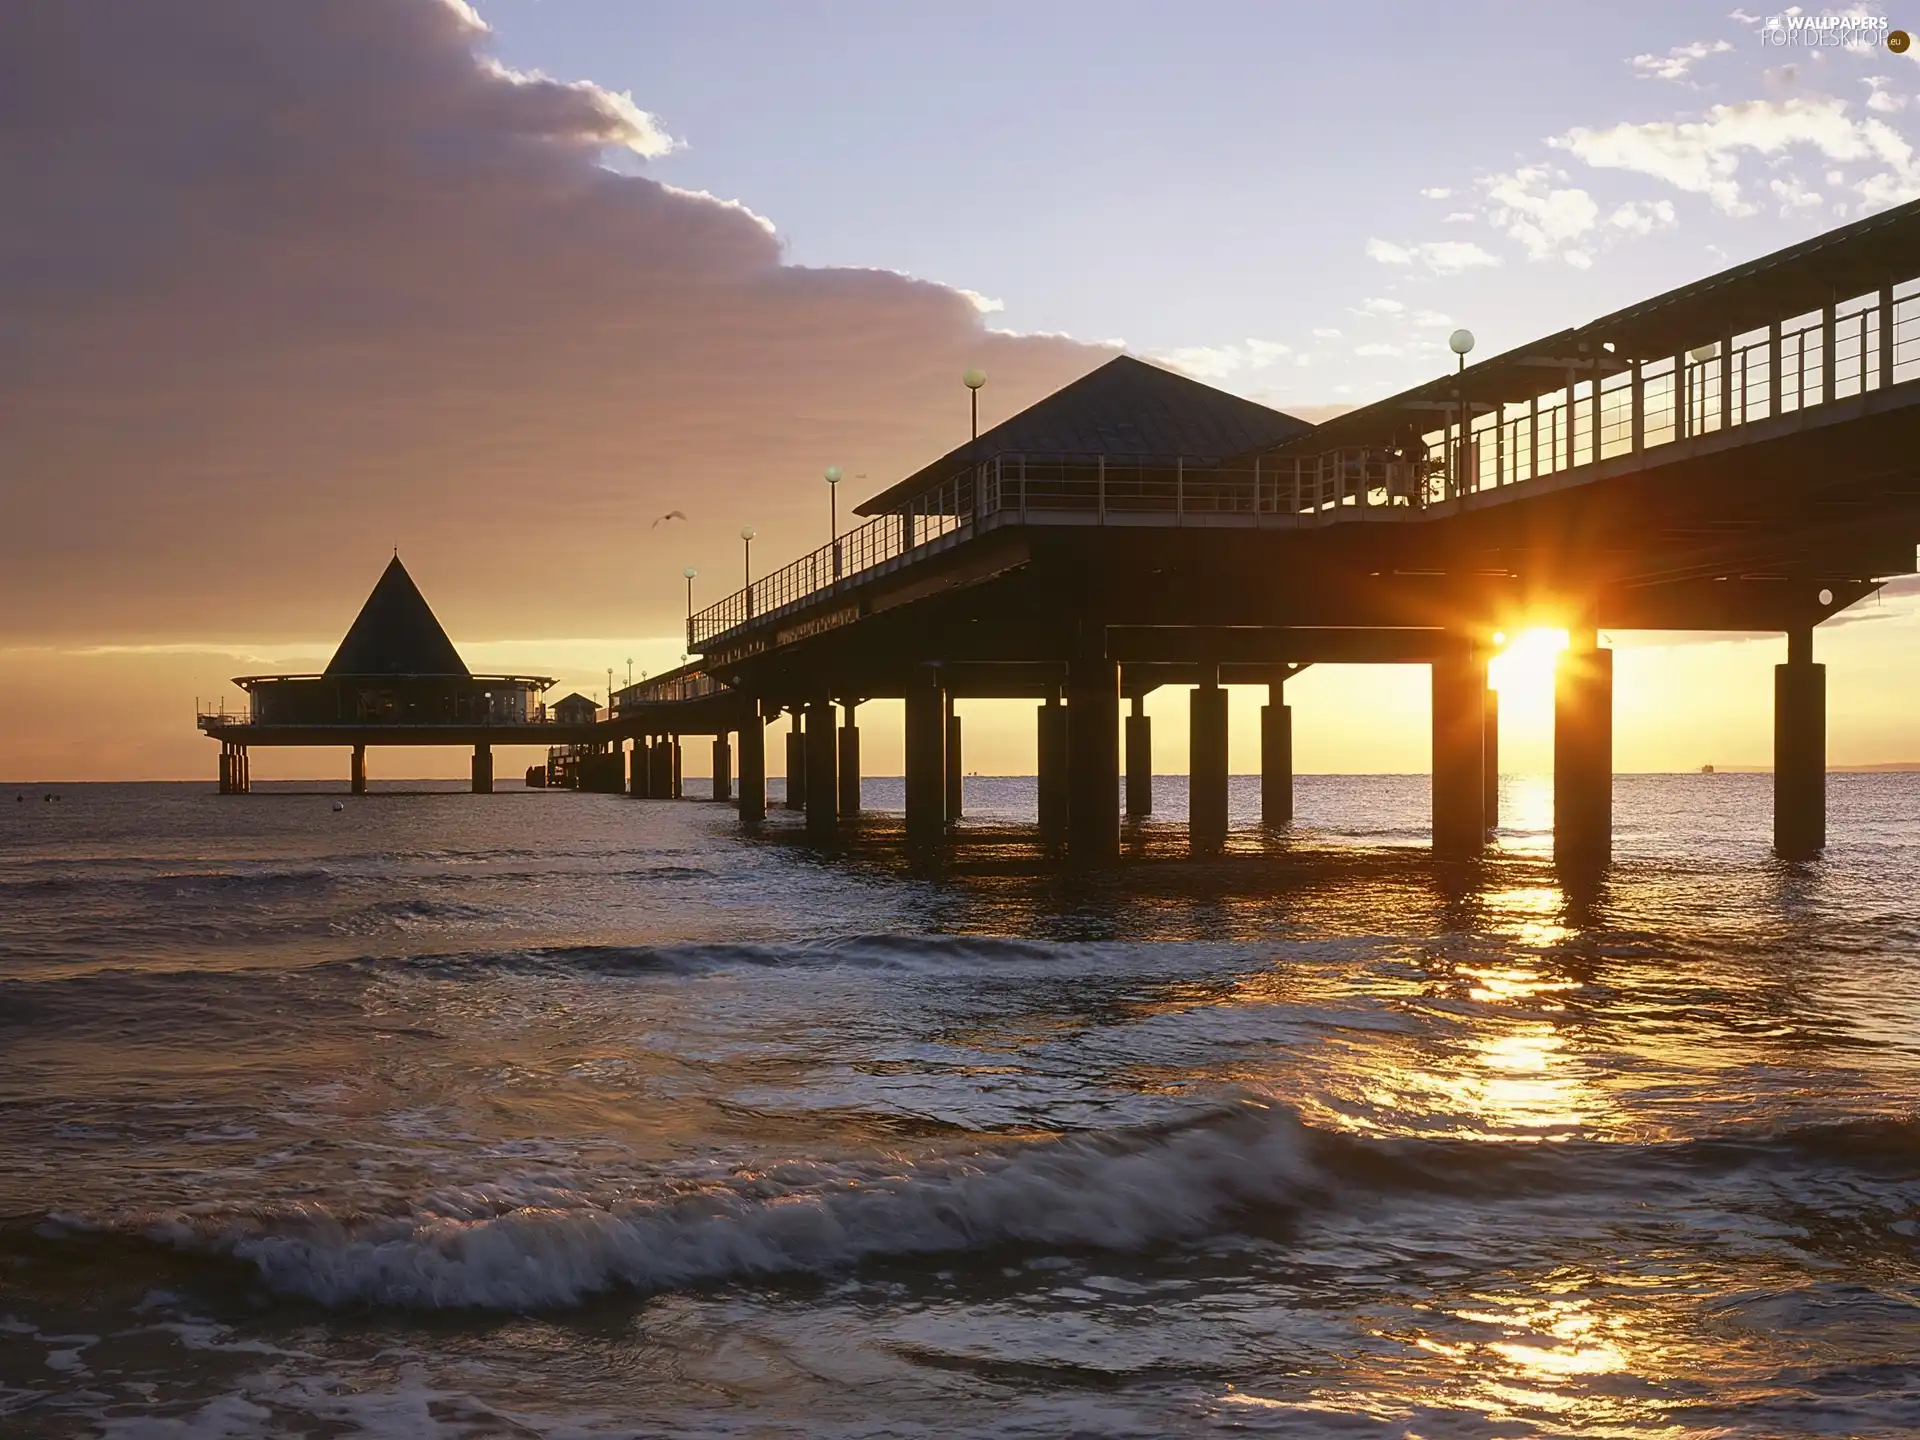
point(1838, 265)
point(1125, 408)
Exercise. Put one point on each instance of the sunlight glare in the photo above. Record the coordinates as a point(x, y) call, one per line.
point(1527, 662)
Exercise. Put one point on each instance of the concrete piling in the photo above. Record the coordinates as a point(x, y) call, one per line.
point(1207, 764)
point(753, 769)
point(849, 761)
point(1459, 765)
point(1093, 760)
point(1799, 751)
point(1583, 751)
point(926, 747)
point(1139, 743)
point(823, 789)
point(1276, 760)
point(1051, 771)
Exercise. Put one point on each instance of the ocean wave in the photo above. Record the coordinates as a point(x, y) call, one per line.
point(545, 1240)
point(540, 1244)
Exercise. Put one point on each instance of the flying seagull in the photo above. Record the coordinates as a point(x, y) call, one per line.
point(670, 515)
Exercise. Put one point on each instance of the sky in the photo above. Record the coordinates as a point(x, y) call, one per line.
point(285, 287)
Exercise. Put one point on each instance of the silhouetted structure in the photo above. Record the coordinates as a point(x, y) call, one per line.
point(395, 680)
point(1739, 454)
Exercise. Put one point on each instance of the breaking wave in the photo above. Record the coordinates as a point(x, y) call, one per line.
point(542, 1242)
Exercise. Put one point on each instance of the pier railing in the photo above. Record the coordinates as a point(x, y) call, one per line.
point(1604, 407)
point(673, 688)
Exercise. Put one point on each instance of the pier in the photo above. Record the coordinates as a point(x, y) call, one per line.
point(1741, 454)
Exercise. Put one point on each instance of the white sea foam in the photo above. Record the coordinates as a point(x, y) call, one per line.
point(1115, 1192)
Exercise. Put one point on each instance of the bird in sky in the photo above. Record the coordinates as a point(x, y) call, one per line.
point(670, 515)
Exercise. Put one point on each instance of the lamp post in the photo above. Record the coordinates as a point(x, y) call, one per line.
point(746, 543)
point(689, 572)
point(973, 380)
point(833, 515)
point(1460, 342)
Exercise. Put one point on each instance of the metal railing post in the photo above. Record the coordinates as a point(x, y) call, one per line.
point(1533, 438)
point(1886, 338)
point(1827, 347)
point(1179, 491)
point(1101, 492)
point(1773, 367)
point(1637, 410)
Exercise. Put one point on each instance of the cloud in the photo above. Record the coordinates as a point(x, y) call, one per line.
point(1380, 305)
point(984, 304)
point(1437, 192)
point(1702, 157)
point(1882, 99)
point(1542, 218)
point(1795, 198)
point(1326, 332)
point(1458, 217)
point(1217, 362)
point(284, 285)
point(1431, 319)
point(1678, 62)
point(1643, 217)
point(1441, 257)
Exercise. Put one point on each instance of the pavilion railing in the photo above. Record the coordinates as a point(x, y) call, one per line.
point(1614, 408)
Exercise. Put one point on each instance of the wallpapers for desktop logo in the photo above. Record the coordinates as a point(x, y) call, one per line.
point(1831, 31)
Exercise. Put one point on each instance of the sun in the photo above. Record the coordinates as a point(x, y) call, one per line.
point(1526, 661)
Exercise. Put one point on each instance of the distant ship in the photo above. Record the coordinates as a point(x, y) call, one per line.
point(1706, 769)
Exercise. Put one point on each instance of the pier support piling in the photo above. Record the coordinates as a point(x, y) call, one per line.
point(926, 737)
point(1490, 760)
point(823, 787)
point(1276, 759)
point(722, 768)
point(1093, 760)
point(483, 769)
point(1459, 765)
point(1799, 751)
point(1207, 764)
point(1051, 771)
point(677, 762)
point(226, 769)
point(357, 771)
point(849, 761)
point(1583, 751)
point(753, 770)
point(660, 769)
point(1139, 738)
point(956, 776)
point(797, 762)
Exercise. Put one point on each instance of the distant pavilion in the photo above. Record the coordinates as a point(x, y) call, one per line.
point(395, 680)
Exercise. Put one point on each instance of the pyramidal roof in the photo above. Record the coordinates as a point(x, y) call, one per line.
point(1125, 409)
point(396, 634)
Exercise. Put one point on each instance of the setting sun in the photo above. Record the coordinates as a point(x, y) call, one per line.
point(1526, 661)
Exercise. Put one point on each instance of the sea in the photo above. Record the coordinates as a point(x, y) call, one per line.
point(425, 1114)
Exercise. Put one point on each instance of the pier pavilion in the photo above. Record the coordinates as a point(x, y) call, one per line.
point(395, 680)
point(1739, 454)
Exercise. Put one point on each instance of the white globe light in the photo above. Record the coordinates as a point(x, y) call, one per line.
point(974, 379)
point(833, 474)
point(1460, 342)
point(689, 572)
point(1700, 354)
point(746, 532)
